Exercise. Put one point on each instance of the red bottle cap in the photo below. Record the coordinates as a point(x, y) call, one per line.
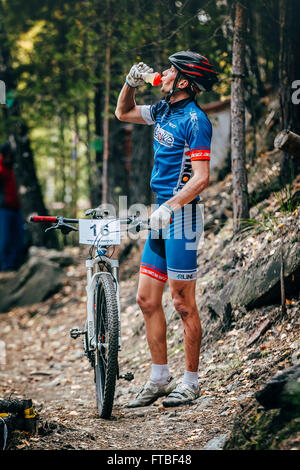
point(157, 79)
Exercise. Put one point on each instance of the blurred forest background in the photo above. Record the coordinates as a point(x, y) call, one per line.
point(64, 64)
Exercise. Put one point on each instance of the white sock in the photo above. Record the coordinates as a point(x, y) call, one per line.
point(191, 379)
point(160, 373)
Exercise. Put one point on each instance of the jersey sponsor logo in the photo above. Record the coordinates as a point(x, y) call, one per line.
point(184, 175)
point(194, 121)
point(163, 137)
point(200, 155)
point(153, 273)
point(193, 115)
point(184, 276)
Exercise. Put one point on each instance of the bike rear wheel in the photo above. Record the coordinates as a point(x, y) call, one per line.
point(107, 334)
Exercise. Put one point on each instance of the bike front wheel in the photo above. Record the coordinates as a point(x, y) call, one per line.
point(107, 336)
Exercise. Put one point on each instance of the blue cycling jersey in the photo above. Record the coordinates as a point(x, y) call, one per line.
point(182, 134)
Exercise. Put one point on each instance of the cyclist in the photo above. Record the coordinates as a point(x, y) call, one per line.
point(182, 137)
point(11, 220)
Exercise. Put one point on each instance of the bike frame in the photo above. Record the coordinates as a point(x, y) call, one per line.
point(93, 273)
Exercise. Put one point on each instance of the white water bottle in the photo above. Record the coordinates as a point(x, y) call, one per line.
point(153, 78)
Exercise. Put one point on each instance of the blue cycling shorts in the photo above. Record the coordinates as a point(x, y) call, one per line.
point(172, 252)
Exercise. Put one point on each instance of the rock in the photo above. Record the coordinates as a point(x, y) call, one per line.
point(244, 396)
point(255, 428)
point(232, 386)
point(217, 443)
point(295, 357)
point(254, 355)
point(171, 414)
point(60, 257)
point(139, 413)
point(227, 317)
point(219, 305)
point(259, 284)
point(34, 282)
point(225, 413)
point(282, 391)
point(204, 402)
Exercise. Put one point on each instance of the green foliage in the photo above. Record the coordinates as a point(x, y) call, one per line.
point(268, 223)
point(285, 199)
point(58, 52)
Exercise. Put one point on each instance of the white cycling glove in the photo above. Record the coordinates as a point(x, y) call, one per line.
point(161, 217)
point(134, 79)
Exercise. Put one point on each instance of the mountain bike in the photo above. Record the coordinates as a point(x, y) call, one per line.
point(102, 331)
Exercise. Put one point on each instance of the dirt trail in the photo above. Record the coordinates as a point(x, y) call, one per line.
point(45, 364)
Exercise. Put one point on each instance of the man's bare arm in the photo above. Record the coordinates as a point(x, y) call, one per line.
point(198, 182)
point(126, 109)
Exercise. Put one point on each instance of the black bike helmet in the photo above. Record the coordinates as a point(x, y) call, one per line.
point(196, 69)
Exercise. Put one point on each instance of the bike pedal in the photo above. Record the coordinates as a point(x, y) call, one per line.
point(75, 333)
point(128, 376)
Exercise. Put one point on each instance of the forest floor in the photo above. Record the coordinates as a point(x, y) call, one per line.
point(43, 363)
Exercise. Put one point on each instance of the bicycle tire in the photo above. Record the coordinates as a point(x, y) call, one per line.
point(107, 335)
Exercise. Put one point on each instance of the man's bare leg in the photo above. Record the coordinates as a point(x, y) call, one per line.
point(149, 298)
point(183, 294)
point(161, 382)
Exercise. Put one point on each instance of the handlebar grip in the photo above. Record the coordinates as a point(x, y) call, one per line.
point(42, 218)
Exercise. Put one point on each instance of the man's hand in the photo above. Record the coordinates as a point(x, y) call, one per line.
point(134, 79)
point(161, 217)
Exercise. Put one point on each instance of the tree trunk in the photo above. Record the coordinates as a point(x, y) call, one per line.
point(96, 190)
point(18, 133)
point(106, 114)
point(74, 164)
point(289, 142)
point(61, 175)
point(88, 152)
point(96, 177)
point(128, 128)
point(2, 93)
point(255, 87)
point(239, 172)
point(289, 71)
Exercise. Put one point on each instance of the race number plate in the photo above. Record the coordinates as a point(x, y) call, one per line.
point(99, 232)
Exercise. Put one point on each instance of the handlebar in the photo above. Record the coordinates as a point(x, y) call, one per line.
point(62, 223)
point(53, 219)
